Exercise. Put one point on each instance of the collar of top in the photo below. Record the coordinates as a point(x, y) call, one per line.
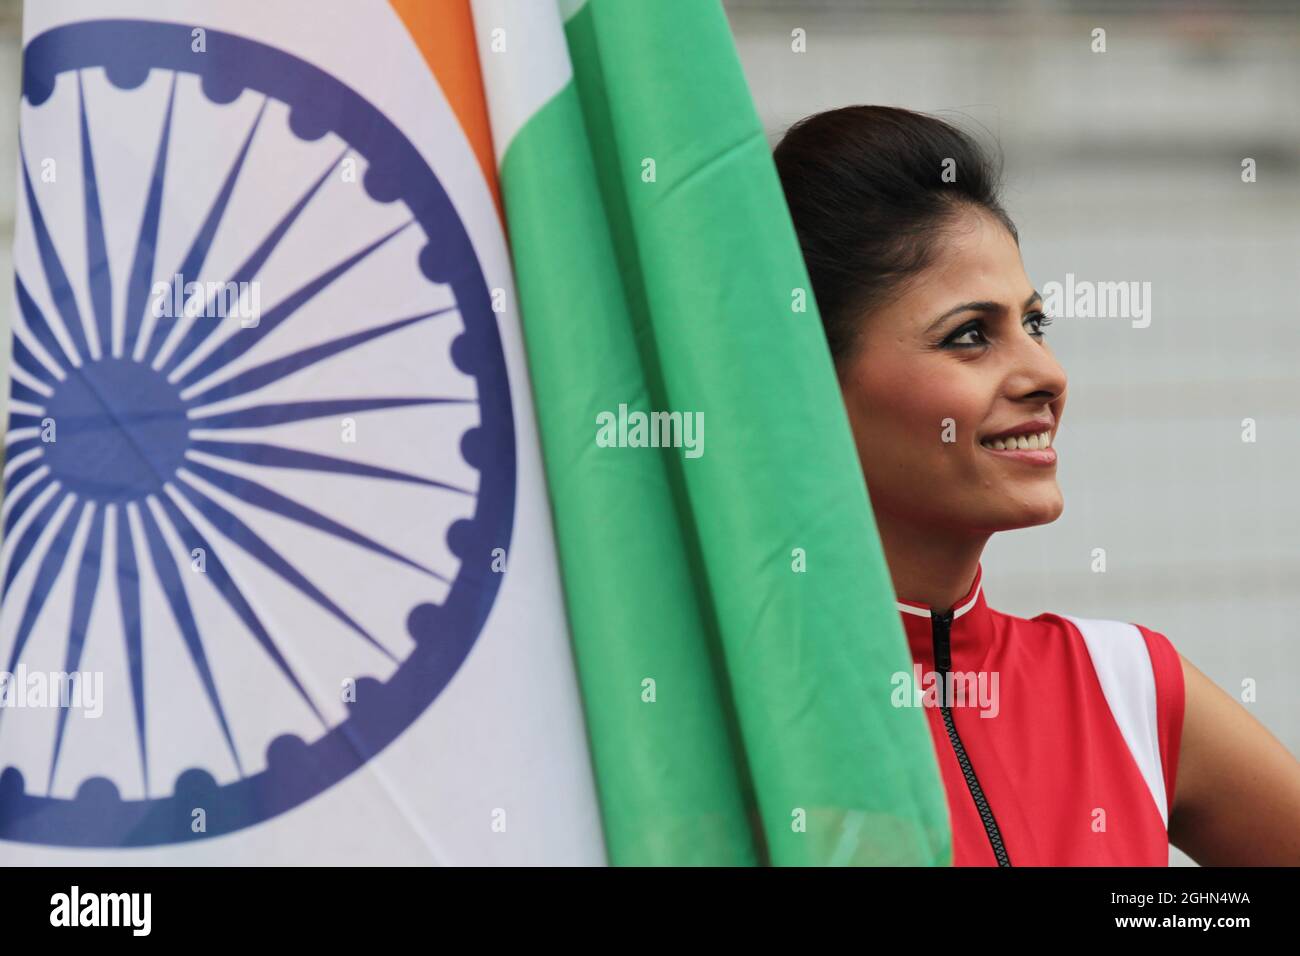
point(972, 623)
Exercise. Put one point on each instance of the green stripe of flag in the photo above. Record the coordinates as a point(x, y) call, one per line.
point(771, 736)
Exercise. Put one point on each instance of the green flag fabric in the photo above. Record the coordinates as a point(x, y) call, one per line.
point(733, 619)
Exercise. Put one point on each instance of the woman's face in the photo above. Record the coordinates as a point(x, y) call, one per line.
point(957, 358)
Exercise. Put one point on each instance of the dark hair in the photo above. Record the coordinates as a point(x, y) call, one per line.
point(866, 190)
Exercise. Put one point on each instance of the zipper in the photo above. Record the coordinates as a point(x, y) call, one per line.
point(942, 633)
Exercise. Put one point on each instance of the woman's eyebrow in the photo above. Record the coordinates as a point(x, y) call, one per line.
point(979, 307)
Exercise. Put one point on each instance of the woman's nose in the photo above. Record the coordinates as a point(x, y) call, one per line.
point(1037, 373)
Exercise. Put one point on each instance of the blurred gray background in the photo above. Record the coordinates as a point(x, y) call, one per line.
point(1124, 166)
point(1121, 166)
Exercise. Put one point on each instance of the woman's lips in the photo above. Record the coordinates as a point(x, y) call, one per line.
point(1030, 456)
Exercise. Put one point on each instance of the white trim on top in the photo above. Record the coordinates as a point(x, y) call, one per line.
point(1123, 665)
point(925, 611)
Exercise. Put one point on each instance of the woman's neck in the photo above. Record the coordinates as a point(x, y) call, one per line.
point(929, 566)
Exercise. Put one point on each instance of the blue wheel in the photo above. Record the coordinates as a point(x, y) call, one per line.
point(275, 540)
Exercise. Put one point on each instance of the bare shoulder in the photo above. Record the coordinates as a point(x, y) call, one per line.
point(1237, 795)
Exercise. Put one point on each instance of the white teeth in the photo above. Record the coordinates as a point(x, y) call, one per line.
point(1020, 442)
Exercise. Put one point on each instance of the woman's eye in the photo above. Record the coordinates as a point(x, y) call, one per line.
point(972, 334)
point(1040, 320)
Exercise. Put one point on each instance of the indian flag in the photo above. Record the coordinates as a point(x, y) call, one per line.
point(359, 504)
point(279, 580)
point(732, 613)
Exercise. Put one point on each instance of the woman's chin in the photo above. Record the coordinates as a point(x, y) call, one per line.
point(1026, 513)
point(1030, 514)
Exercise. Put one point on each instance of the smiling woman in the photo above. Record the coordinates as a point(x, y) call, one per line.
point(1105, 744)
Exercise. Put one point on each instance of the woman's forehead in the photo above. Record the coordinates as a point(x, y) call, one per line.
point(980, 263)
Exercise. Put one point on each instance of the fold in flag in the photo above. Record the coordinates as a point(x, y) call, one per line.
point(279, 577)
point(737, 583)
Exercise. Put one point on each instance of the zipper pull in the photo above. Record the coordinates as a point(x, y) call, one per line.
point(941, 631)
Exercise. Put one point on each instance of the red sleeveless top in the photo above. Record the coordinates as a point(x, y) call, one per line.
point(1057, 737)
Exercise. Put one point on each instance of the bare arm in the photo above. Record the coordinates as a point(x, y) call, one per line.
point(1237, 793)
